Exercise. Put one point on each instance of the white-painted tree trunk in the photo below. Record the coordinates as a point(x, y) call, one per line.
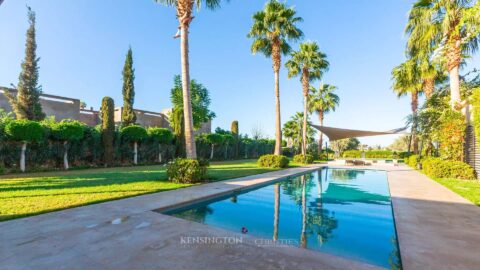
point(22, 157)
point(454, 87)
point(159, 154)
point(65, 155)
point(211, 152)
point(135, 153)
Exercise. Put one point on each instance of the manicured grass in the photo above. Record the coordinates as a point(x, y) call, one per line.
point(31, 194)
point(469, 189)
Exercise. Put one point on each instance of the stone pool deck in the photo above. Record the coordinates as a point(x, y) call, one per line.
point(437, 229)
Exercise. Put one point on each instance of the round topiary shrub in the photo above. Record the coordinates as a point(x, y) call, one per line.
point(187, 171)
point(162, 136)
point(273, 161)
point(214, 139)
point(67, 131)
point(24, 131)
point(134, 134)
point(303, 159)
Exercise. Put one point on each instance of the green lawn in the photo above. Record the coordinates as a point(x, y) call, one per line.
point(469, 189)
point(31, 194)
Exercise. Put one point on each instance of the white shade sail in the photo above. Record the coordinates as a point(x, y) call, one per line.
point(340, 133)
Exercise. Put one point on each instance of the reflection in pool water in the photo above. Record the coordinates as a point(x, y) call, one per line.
point(342, 212)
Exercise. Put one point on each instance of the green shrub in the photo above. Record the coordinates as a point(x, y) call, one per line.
point(24, 131)
point(413, 161)
point(352, 154)
point(404, 155)
point(303, 159)
point(438, 168)
point(273, 161)
point(187, 171)
point(134, 133)
point(379, 154)
point(68, 130)
point(160, 135)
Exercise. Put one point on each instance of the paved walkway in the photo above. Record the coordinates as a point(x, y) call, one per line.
point(437, 230)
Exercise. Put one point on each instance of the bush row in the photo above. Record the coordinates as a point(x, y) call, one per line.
point(46, 145)
point(375, 154)
point(413, 161)
point(438, 168)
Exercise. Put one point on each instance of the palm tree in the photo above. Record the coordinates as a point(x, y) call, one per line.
point(406, 80)
point(322, 101)
point(271, 31)
point(430, 73)
point(451, 28)
point(184, 10)
point(292, 130)
point(310, 63)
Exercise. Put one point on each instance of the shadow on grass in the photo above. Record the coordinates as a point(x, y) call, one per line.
point(15, 216)
point(87, 180)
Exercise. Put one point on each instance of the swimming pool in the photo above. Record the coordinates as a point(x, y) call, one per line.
point(343, 212)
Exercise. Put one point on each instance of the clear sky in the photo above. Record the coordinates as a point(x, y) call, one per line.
point(82, 45)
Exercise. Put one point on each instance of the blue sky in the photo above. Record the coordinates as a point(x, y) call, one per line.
point(82, 45)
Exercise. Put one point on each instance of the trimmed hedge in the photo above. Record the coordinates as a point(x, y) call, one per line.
point(379, 154)
point(386, 154)
point(187, 171)
point(352, 154)
point(438, 168)
point(273, 161)
point(303, 159)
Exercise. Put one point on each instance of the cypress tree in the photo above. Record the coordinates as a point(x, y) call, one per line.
point(128, 91)
point(108, 129)
point(234, 130)
point(26, 105)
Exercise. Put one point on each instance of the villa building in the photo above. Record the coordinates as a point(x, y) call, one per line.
point(70, 108)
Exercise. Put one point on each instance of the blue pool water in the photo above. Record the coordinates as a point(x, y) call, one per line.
point(343, 212)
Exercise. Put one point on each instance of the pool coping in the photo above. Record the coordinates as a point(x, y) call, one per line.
point(73, 235)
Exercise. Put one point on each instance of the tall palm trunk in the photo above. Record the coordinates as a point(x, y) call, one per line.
point(320, 139)
point(429, 87)
point(414, 124)
point(303, 237)
point(276, 212)
point(277, 61)
point(184, 13)
point(22, 156)
point(305, 86)
point(65, 155)
point(454, 58)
